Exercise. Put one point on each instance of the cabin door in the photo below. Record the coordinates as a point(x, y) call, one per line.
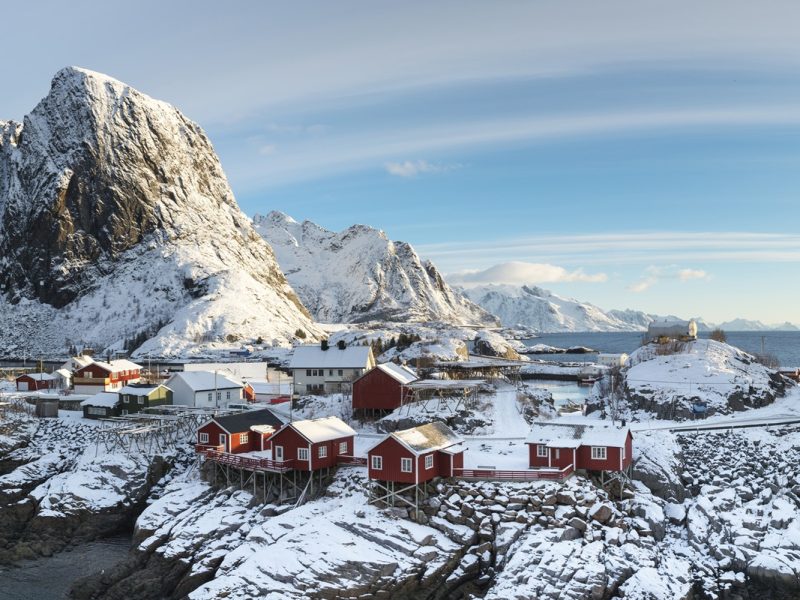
point(279, 453)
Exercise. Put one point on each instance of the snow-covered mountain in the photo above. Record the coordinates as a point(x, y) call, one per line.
point(359, 275)
point(118, 222)
point(545, 312)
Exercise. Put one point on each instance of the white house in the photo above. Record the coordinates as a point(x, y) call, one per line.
point(204, 389)
point(663, 331)
point(612, 360)
point(323, 368)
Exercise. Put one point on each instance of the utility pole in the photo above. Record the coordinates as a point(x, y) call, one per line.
point(216, 395)
point(762, 343)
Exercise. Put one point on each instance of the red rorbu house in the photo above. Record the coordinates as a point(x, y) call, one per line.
point(248, 431)
point(579, 446)
point(383, 388)
point(416, 455)
point(99, 376)
point(313, 444)
point(31, 382)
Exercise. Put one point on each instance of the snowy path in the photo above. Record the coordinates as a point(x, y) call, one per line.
point(508, 422)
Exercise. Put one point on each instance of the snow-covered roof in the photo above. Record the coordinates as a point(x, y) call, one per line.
point(115, 366)
point(200, 381)
point(139, 390)
point(262, 428)
point(267, 387)
point(322, 430)
point(573, 435)
point(426, 438)
point(39, 376)
point(399, 373)
point(108, 399)
point(314, 357)
point(66, 373)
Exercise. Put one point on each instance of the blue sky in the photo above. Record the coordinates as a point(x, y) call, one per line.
point(635, 155)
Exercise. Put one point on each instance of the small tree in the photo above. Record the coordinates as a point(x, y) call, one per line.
point(300, 334)
point(718, 336)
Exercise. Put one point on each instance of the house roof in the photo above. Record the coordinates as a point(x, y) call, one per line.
point(200, 381)
point(115, 366)
point(108, 399)
point(399, 373)
point(244, 421)
point(39, 376)
point(322, 430)
point(573, 435)
point(426, 438)
point(139, 390)
point(314, 357)
point(274, 388)
point(66, 373)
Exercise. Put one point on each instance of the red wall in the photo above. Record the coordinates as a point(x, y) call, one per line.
point(377, 390)
point(34, 384)
point(100, 373)
point(291, 440)
point(392, 451)
point(583, 458)
point(213, 430)
point(585, 461)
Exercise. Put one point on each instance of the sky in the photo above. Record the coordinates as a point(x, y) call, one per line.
point(636, 155)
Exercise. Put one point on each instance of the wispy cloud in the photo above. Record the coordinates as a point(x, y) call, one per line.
point(654, 274)
point(522, 273)
point(412, 168)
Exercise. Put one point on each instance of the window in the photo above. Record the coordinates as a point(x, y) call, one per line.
point(598, 453)
point(210, 396)
point(140, 400)
point(219, 395)
point(330, 372)
point(341, 372)
point(222, 439)
point(227, 395)
point(308, 372)
point(243, 438)
point(405, 465)
point(323, 452)
point(279, 453)
point(377, 463)
point(203, 439)
point(541, 451)
point(342, 447)
point(302, 454)
point(429, 461)
point(308, 387)
point(558, 453)
point(97, 410)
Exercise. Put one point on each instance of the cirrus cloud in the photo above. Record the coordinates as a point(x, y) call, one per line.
point(412, 168)
point(523, 273)
point(654, 274)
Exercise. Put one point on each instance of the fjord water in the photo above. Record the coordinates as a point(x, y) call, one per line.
point(783, 344)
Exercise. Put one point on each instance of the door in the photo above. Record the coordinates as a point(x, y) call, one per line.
point(223, 439)
point(279, 453)
point(23, 386)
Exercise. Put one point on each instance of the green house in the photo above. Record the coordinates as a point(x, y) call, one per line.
point(136, 397)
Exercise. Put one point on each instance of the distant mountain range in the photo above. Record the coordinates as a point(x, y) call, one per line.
point(359, 275)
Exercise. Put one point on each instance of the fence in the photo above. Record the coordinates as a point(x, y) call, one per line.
point(251, 464)
point(530, 475)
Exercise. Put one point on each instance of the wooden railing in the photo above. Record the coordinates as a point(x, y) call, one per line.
point(203, 448)
point(352, 460)
point(252, 464)
point(529, 475)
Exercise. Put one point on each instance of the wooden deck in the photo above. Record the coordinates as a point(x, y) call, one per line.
point(528, 475)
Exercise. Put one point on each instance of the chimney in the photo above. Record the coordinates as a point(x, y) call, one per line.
point(324, 344)
point(341, 345)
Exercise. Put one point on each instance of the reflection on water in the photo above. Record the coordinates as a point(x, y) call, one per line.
point(53, 576)
point(564, 392)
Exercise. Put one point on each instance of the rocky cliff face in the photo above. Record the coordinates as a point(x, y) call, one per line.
point(111, 199)
point(360, 275)
point(546, 312)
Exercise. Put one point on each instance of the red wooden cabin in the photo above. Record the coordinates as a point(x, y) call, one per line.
point(313, 444)
point(592, 447)
point(31, 382)
point(248, 431)
point(416, 455)
point(100, 376)
point(382, 388)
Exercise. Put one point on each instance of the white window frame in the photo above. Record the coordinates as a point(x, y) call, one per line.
point(210, 396)
point(302, 454)
point(406, 465)
point(322, 452)
point(227, 395)
point(140, 400)
point(342, 447)
point(429, 462)
point(223, 439)
point(558, 453)
point(377, 463)
point(244, 438)
point(599, 453)
point(203, 438)
point(541, 451)
point(279, 453)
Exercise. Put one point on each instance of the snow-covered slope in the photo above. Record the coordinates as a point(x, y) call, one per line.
point(546, 312)
point(360, 275)
point(668, 380)
point(117, 222)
